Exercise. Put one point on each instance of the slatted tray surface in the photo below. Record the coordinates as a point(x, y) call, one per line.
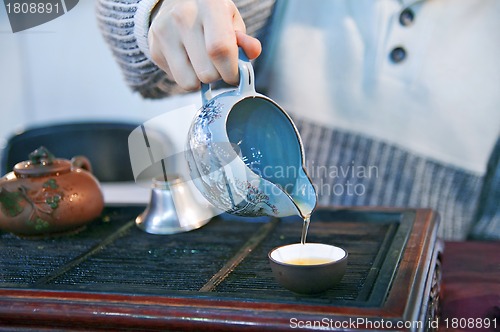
point(216, 276)
point(115, 256)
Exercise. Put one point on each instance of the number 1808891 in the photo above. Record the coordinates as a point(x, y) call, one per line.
point(470, 323)
point(32, 8)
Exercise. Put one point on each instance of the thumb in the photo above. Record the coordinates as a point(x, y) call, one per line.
point(250, 45)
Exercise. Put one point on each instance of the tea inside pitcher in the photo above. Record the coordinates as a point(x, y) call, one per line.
point(269, 145)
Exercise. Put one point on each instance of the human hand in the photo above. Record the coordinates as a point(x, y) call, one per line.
point(197, 41)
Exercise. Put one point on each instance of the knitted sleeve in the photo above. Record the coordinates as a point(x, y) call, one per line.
point(124, 25)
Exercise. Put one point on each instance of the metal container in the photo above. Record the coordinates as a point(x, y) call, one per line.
point(175, 207)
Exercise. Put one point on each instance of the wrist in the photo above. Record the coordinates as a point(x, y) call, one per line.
point(155, 10)
point(142, 21)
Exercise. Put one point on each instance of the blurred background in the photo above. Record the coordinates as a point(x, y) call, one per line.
point(63, 71)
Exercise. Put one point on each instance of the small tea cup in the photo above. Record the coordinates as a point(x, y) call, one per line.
point(309, 268)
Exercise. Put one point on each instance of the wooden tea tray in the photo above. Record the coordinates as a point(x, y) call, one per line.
point(112, 276)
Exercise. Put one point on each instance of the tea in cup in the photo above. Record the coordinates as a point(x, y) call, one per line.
point(308, 268)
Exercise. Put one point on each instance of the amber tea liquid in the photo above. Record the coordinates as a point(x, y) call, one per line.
point(309, 261)
point(305, 227)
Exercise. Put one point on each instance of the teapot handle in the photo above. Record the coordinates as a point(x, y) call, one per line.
point(247, 79)
point(81, 162)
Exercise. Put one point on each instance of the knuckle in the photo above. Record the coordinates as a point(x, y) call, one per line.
point(208, 76)
point(218, 49)
point(189, 84)
point(184, 13)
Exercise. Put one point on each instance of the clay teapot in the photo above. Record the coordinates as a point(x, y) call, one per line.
point(45, 196)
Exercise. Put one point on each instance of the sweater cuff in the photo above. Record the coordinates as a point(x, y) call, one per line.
point(142, 21)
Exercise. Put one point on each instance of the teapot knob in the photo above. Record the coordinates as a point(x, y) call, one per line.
point(41, 156)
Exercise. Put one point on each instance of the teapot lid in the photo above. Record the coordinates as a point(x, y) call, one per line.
point(41, 162)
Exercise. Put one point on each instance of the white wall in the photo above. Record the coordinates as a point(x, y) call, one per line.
point(62, 70)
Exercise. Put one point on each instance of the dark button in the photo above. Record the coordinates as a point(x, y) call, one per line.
point(406, 17)
point(397, 55)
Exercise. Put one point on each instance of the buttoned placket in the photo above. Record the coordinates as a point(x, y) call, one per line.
point(406, 18)
point(403, 48)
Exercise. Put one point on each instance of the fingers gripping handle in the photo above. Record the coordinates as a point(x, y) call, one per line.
point(247, 76)
point(247, 79)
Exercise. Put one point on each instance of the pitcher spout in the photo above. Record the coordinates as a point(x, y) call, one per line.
point(304, 195)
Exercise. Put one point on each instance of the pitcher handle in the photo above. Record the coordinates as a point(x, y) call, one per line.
point(247, 79)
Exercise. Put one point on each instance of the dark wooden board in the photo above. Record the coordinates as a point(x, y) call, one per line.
point(114, 276)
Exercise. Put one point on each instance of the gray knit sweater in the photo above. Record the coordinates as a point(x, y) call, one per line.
point(468, 204)
point(119, 26)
